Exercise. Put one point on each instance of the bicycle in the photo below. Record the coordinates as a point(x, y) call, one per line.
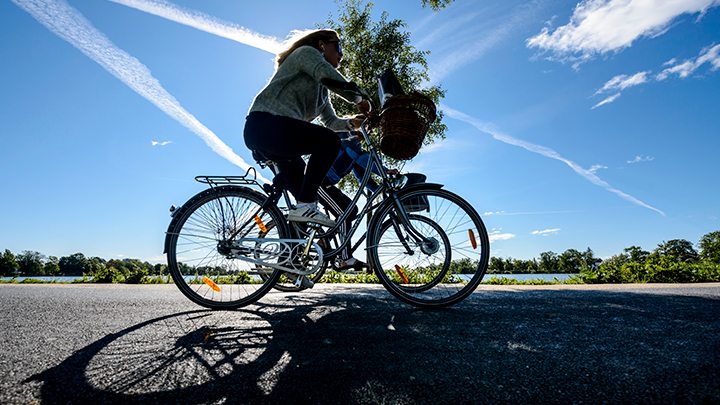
point(230, 244)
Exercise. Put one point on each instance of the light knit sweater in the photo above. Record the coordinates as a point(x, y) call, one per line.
point(296, 91)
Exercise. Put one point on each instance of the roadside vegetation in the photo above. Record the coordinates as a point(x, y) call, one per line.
point(674, 261)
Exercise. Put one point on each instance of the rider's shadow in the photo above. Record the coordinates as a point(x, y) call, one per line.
point(315, 350)
point(516, 348)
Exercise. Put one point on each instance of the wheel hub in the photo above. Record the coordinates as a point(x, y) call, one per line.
point(430, 246)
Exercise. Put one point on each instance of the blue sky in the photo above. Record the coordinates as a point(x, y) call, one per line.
point(570, 124)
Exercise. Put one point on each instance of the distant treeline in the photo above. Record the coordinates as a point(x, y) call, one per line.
point(677, 260)
point(574, 261)
point(31, 263)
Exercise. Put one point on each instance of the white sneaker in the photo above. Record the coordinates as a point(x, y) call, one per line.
point(310, 213)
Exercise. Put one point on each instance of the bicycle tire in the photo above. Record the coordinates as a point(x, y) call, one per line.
point(469, 248)
point(197, 247)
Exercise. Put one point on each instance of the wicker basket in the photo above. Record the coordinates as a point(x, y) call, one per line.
point(404, 123)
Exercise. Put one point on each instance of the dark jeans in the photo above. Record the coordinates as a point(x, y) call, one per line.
point(285, 140)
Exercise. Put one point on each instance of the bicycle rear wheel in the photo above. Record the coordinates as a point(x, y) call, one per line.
point(444, 263)
point(199, 240)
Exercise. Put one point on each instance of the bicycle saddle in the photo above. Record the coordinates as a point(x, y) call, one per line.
point(265, 159)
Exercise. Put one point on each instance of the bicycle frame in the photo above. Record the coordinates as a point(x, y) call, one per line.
point(388, 187)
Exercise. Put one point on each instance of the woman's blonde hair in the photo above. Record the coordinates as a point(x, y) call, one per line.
point(311, 38)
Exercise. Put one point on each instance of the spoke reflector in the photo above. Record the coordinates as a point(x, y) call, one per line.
point(402, 274)
point(473, 241)
point(260, 224)
point(211, 284)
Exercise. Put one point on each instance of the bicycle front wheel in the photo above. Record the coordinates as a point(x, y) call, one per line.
point(199, 242)
point(435, 259)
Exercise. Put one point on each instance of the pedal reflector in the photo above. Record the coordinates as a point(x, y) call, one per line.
point(260, 224)
point(211, 284)
point(473, 241)
point(402, 274)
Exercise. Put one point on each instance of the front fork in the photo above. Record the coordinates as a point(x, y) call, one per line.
point(428, 245)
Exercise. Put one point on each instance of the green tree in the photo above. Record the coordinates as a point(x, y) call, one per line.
point(436, 5)
point(74, 265)
point(532, 266)
point(636, 254)
point(31, 263)
point(369, 48)
point(676, 250)
point(589, 260)
point(51, 266)
point(548, 262)
point(496, 265)
point(8, 264)
point(159, 269)
point(520, 266)
point(710, 247)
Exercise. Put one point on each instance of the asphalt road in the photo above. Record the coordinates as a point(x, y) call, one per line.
point(351, 344)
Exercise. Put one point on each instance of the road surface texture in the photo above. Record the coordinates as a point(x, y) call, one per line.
point(356, 344)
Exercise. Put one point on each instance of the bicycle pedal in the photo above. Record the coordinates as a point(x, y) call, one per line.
point(305, 282)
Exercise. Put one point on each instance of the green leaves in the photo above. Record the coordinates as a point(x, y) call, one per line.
point(369, 48)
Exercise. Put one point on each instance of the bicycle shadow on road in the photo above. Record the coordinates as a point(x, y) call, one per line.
point(548, 347)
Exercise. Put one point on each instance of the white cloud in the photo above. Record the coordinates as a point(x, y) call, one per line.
point(602, 26)
point(496, 236)
point(547, 232)
point(622, 82)
point(709, 55)
point(640, 158)
point(154, 143)
point(69, 24)
point(595, 168)
point(207, 23)
point(544, 151)
point(607, 100)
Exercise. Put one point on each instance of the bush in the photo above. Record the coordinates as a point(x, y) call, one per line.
point(662, 270)
point(512, 281)
point(332, 276)
point(136, 275)
point(104, 275)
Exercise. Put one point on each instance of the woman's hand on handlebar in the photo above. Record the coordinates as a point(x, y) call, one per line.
point(366, 108)
point(357, 121)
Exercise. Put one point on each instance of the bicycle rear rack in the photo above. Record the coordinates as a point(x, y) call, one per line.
point(249, 178)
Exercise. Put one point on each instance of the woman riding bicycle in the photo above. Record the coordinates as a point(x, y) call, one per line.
point(279, 123)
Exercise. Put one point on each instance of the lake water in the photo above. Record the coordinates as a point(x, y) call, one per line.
point(519, 277)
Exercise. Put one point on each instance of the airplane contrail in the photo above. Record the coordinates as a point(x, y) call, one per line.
point(69, 24)
point(207, 23)
point(544, 151)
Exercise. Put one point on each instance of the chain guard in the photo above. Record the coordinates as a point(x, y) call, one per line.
point(281, 254)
